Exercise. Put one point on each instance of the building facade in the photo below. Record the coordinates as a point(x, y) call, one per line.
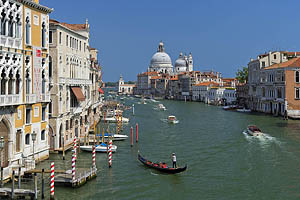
point(24, 83)
point(71, 83)
point(125, 88)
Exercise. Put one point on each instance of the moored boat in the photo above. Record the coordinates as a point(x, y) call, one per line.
point(116, 137)
point(243, 110)
point(162, 167)
point(99, 148)
point(172, 119)
point(114, 119)
point(253, 130)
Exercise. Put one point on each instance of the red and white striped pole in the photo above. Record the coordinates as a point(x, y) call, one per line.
point(137, 132)
point(131, 136)
point(94, 157)
point(73, 168)
point(52, 181)
point(110, 153)
point(75, 147)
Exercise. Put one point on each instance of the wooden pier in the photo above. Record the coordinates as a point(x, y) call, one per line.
point(5, 193)
point(81, 177)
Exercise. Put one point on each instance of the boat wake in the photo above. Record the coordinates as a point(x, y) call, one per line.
point(263, 139)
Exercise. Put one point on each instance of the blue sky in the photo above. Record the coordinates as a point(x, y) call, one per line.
point(221, 34)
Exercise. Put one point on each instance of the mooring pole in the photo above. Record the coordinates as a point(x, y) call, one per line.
point(52, 181)
point(19, 178)
point(43, 186)
point(13, 185)
point(35, 186)
point(137, 132)
point(131, 136)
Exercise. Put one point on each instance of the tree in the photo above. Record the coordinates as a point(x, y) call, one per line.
point(242, 75)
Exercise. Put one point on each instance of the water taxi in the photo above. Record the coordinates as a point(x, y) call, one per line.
point(172, 119)
point(161, 107)
point(253, 130)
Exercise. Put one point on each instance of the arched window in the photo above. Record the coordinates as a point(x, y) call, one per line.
point(3, 22)
point(10, 83)
point(3, 80)
point(18, 83)
point(43, 34)
point(27, 77)
point(50, 67)
point(27, 30)
point(43, 135)
point(27, 138)
point(43, 82)
point(10, 26)
point(297, 76)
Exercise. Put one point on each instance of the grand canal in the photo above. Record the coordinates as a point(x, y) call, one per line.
point(223, 163)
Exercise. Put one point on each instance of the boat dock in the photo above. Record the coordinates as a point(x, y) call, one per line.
point(82, 175)
point(6, 193)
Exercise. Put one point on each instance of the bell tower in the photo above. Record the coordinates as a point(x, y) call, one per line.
point(121, 82)
point(190, 63)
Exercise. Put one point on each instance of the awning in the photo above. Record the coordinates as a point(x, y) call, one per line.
point(78, 93)
point(101, 91)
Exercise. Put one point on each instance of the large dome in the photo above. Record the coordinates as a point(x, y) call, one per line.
point(160, 58)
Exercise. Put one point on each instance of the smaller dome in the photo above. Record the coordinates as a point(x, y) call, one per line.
point(180, 63)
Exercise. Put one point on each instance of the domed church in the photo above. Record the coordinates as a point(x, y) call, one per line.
point(161, 61)
point(184, 63)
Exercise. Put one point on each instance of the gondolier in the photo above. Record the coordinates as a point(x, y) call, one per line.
point(174, 160)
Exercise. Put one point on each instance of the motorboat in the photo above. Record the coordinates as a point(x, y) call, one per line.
point(114, 119)
point(243, 110)
point(115, 137)
point(161, 107)
point(230, 107)
point(253, 130)
point(102, 148)
point(172, 119)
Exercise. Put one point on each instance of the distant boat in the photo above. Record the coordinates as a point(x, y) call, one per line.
point(116, 137)
point(161, 107)
point(243, 110)
point(114, 119)
point(99, 148)
point(231, 107)
point(253, 130)
point(172, 119)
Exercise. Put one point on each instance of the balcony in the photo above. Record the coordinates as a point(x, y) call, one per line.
point(45, 97)
point(76, 110)
point(70, 81)
point(6, 100)
point(30, 98)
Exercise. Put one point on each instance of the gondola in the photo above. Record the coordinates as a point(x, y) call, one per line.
point(162, 167)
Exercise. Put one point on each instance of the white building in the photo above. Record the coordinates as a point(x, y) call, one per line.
point(229, 96)
point(125, 88)
point(184, 63)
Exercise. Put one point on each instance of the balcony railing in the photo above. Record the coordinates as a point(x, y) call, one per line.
point(76, 110)
point(45, 97)
point(10, 100)
point(75, 81)
point(30, 98)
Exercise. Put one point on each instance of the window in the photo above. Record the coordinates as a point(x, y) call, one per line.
point(50, 67)
point(50, 37)
point(60, 37)
point(18, 140)
point(274, 56)
point(67, 125)
point(80, 45)
point(67, 40)
point(28, 115)
point(27, 30)
point(43, 34)
point(50, 109)
point(27, 138)
point(297, 76)
point(43, 113)
point(43, 135)
point(297, 93)
point(263, 64)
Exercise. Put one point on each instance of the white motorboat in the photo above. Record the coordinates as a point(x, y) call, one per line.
point(243, 110)
point(161, 107)
point(114, 119)
point(253, 130)
point(116, 137)
point(172, 119)
point(231, 107)
point(99, 148)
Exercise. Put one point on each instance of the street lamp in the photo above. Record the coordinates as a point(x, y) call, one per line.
point(1, 149)
point(33, 137)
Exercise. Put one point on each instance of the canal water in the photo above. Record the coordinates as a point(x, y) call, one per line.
point(223, 162)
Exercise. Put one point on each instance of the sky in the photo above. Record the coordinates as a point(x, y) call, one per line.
point(223, 35)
